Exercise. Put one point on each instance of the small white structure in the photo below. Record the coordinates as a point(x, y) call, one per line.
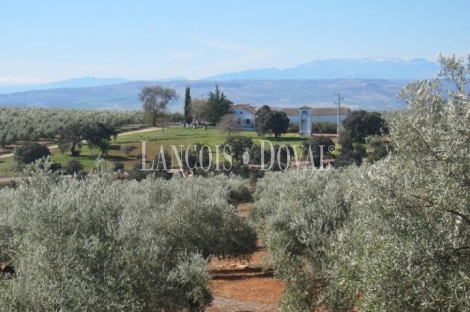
point(245, 116)
point(305, 121)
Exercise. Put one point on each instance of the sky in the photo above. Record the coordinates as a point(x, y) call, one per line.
point(51, 40)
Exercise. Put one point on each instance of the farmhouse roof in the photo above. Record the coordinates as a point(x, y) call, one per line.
point(246, 107)
point(290, 111)
point(318, 111)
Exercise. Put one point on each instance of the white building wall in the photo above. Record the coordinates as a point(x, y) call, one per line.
point(294, 119)
point(244, 119)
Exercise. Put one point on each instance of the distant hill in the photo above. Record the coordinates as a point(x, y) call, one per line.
point(70, 83)
point(369, 94)
point(370, 84)
point(370, 68)
point(81, 83)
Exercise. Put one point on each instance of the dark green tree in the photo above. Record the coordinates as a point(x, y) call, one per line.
point(188, 118)
point(239, 145)
point(360, 124)
point(279, 123)
point(350, 153)
point(73, 135)
point(271, 122)
point(256, 154)
point(29, 152)
point(263, 115)
point(281, 160)
point(155, 99)
point(314, 144)
point(217, 106)
point(94, 134)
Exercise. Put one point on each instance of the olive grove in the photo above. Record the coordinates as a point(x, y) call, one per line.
point(100, 244)
point(34, 123)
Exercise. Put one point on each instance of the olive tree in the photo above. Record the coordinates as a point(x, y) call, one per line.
point(409, 244)
point(298, 215)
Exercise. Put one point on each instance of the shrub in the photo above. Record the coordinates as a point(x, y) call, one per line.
point(279, 163)
point(238, 190)
point(30, 151)
point(293, 128)
point(313, 150)
point(238, 145)
point(118, 166)
point(73, 166)
point(56, 166)
point(162, 162)
point(324, 127)
point(11, 184)
point(351, 157)
point(126, 149)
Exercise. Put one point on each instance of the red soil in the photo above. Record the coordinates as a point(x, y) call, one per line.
point(244, 285)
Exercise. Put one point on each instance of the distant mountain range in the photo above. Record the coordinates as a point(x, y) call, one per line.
point(370, 68)
point(370, 84)
point(70, 83)
point(369, 94)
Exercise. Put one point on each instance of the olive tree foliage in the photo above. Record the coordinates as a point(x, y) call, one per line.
point(155, 99)
point(409, 247)
point(102, 244)
point(298, 215)
point(392, 236)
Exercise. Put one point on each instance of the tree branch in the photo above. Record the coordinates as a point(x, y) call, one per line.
point(464, 217)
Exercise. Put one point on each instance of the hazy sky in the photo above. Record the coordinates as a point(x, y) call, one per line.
point(47, 40)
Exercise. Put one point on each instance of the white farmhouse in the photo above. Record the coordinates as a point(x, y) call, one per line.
point(245, 116)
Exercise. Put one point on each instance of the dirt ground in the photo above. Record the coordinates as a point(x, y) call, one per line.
point(244, 285)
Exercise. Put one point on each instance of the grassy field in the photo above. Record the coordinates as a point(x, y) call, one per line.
point(155, 139)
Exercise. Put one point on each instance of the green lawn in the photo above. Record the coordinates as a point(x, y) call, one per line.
point(155, 139)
